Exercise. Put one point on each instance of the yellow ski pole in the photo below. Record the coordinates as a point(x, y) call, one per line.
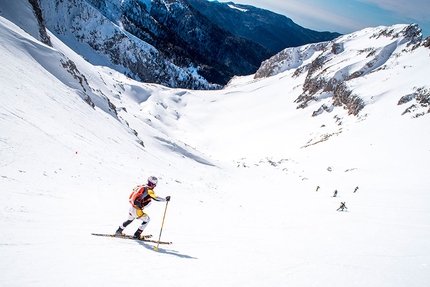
point(162, 224)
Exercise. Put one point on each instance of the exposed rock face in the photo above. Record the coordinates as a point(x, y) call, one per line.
point(220, 52)
point(421, 96)
point(426, 42)
point(42, 30)
point(342, 96)
point(291, 58)
point(328, 68)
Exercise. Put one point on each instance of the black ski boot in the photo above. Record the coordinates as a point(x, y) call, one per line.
point(121, 228)
point(119, 231)
point(137, 234)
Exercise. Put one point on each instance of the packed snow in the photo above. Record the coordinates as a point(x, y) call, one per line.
point(251, 178)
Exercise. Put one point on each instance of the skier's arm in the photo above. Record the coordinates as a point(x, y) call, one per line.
point(152, 194)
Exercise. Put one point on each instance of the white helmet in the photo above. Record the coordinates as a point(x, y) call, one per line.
point(152, 181)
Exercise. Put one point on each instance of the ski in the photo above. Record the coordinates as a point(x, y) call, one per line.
point(121, 236)
point(146, 238)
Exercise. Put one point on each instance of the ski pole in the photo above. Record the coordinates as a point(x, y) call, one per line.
point(162, 224)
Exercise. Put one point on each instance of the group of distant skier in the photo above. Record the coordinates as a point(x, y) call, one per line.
point(342, 206)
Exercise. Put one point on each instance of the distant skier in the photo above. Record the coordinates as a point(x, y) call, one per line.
point(355, 189)
point(318, 187)
point(342, 206)
point(335, 193)
point(140, 198)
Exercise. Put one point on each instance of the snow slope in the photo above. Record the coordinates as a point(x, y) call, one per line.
point(242, 166)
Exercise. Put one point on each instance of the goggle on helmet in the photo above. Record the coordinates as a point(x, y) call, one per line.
point(152, 181)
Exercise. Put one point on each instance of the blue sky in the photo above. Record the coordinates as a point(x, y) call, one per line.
point(346, 16)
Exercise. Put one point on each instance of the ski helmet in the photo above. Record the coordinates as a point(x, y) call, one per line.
point(152, 180)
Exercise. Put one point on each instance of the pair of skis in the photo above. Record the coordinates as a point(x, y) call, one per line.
point(145, 238)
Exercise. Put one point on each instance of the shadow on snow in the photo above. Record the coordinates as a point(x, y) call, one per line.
point(165, 251)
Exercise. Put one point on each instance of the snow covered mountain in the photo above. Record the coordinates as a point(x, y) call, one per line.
point(251, 168)
point(112, 40)
point(152, 41)
point(271, 30)
point(335, 69)
point(171, 42)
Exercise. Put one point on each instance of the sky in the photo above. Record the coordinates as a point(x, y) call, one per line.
point(351, 15)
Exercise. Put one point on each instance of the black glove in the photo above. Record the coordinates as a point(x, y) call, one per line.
point(167, 198)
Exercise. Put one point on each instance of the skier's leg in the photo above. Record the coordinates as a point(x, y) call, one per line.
point(145, 220)
point(122, 227)
point(131, 216)
point(126, 223)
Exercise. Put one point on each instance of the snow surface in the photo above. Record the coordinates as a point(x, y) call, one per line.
point(237, 8)
point(242, 166)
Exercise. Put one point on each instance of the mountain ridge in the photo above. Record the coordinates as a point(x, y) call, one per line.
point(188, 49)
point(271, 30)
point(333, 80)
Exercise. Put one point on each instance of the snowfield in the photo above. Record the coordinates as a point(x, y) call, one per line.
point(251, 177)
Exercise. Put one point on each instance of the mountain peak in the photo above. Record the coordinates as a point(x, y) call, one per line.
point(331, 69)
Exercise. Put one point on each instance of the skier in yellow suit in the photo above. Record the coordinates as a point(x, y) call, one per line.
point(140, 198)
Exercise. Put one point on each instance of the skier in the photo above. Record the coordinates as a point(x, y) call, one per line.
point(140, 198)
point(335, 193)
point(342, 206)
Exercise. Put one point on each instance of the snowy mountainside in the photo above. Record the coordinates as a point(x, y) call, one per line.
point(243, 166)
point(170, 42)
point(75, 97)
point(29, 17)
point(105, 43)
point(164, 42)
point(335, 69)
